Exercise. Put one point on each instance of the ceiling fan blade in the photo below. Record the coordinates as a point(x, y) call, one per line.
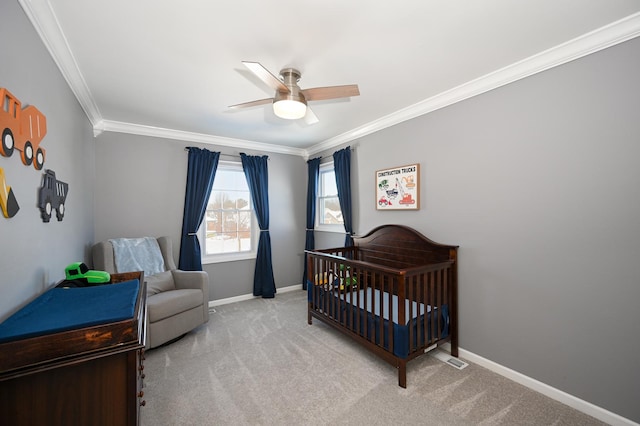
point(310, 117)
point(265, 76)
point(252, 103)
point(330, 92)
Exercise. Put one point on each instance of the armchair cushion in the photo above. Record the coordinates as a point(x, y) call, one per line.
point(167, 304)
point(160, 282)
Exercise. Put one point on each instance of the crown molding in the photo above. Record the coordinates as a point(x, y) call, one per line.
point(46, 24)
point(594, 41)
point(159, 132)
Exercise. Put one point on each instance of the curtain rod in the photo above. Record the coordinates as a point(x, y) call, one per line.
point(186, 148)
point(232, 156)
point(330, 157)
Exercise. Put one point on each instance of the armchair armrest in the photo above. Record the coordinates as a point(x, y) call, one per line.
point(197, 280)
point(190, 279)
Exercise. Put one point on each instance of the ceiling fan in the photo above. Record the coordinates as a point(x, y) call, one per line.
point(290, 101)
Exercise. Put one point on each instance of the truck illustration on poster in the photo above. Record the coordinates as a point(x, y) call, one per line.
point(398, 188)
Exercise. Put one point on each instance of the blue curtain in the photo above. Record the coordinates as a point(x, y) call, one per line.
point(255, 169)
point(312, 191)
point(342, 167)
point(200, 173)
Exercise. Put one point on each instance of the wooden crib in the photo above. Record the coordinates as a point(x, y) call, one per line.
point(394, 291)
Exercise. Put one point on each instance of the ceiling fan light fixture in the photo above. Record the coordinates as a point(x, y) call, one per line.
point(289, 109)
point(290, 102)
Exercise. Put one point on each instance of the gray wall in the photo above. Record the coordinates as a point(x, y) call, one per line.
point(33, 254)
point(538, 182)
point(140, 186)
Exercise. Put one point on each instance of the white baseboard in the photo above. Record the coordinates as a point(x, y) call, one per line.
point(242, 297)
point(553, 393)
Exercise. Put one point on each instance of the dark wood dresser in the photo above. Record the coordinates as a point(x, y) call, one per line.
point(85, 376)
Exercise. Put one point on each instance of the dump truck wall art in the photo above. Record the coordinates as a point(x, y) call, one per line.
point(8, 202)
point(52, 196)
point(22, 129)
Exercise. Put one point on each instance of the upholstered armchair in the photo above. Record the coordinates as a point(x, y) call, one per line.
point(177, 301)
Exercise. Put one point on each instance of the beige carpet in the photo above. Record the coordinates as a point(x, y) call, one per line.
point(258, 363)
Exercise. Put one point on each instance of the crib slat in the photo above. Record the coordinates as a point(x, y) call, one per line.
point(400, 313)
point(334, 309)
point(357, 284)
point(372, 277)
point(410, 291)
point(380, 302)
point(445, 297)
point(441, 302)
point(436, 315)
point(423, 298)
point(433, 302)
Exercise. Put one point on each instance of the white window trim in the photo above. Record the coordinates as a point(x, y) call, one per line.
point(255, 232)
point(228, 257)
point(338, 229)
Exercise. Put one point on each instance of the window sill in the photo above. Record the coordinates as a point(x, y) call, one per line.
point(337, 229)
point(231, 257)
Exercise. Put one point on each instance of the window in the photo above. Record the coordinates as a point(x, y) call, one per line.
point(328, 212)
point(229, 228)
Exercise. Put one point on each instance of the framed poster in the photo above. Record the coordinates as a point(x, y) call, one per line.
point(398, 188)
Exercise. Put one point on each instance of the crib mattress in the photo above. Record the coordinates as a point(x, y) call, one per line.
point(369, 312)
point(367, 297)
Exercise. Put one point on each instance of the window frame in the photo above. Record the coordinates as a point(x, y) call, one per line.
point(234, 166)
point(338, 228)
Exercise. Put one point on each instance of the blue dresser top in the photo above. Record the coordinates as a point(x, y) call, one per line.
point(61, 309)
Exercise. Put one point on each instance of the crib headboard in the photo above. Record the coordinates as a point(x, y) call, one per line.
point(400, 246)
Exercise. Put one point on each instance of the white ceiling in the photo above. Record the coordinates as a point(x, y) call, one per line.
point(171, 68)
